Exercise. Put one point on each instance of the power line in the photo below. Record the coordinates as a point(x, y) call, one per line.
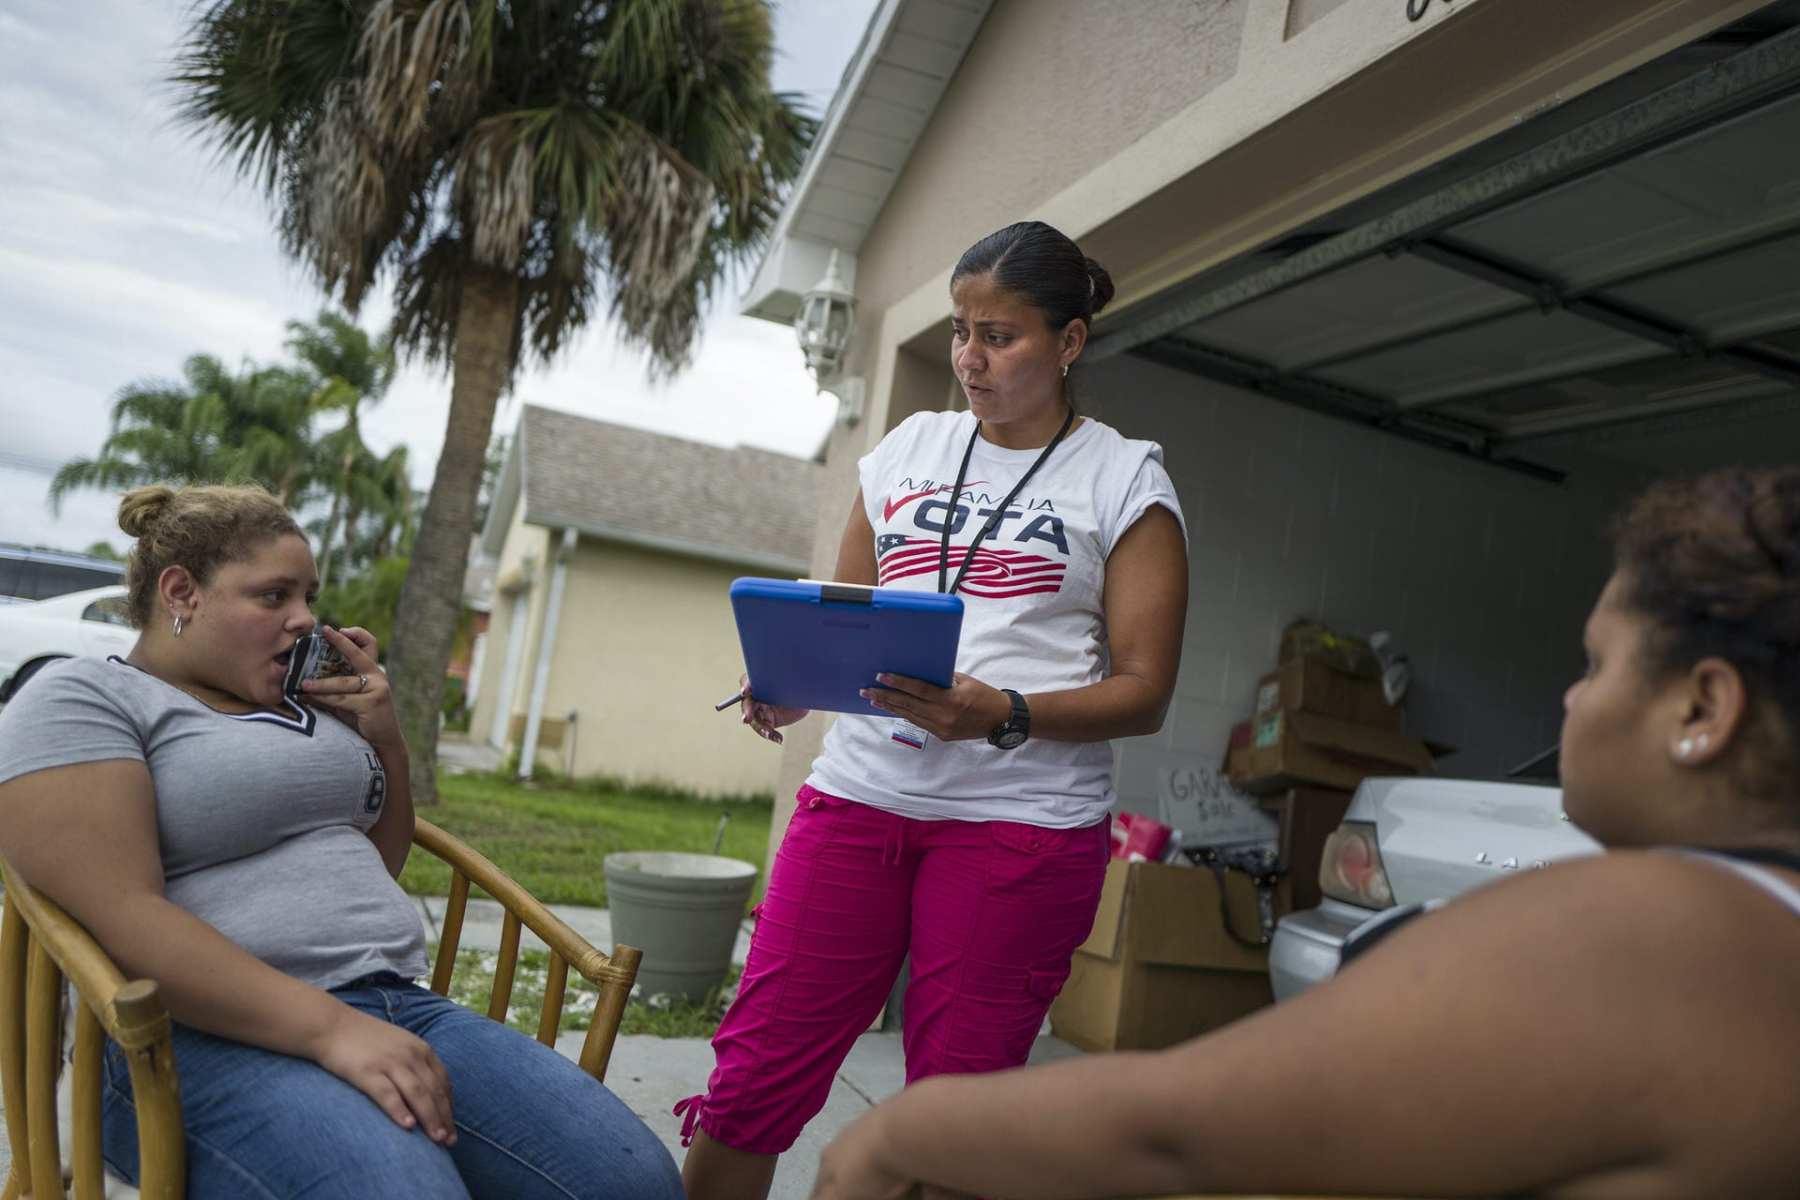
point(28, 463)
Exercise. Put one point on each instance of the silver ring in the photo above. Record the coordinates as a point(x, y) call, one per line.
point(362, 683)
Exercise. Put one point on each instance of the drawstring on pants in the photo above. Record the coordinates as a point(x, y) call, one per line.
point(692, 1107)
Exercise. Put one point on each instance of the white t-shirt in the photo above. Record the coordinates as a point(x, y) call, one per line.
point(1032, 621)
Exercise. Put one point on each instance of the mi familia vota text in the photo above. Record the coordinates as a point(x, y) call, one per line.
point(1027, 520)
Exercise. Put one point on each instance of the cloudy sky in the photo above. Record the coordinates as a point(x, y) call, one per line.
point(125, 246)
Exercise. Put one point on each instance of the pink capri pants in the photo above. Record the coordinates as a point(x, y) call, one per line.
point(991, 912)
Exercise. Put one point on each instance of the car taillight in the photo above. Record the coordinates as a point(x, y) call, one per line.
point(1350, 869)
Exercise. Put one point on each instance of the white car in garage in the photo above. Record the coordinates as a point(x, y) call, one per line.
point(90, 622)
point(1407, 842)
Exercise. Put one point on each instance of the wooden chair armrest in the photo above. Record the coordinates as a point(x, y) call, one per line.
point(40, 947)
point(81, 960)
point(581, 954)
point(613, 974)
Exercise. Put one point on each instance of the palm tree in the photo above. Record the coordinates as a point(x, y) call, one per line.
point(213, 426)
point(380, 493)
point(353, 371)
point(499, 161)
point(268, 433)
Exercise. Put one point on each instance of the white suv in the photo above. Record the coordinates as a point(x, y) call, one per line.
point(81, 623)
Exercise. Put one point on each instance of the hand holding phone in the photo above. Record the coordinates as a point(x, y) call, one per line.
point(313, 657)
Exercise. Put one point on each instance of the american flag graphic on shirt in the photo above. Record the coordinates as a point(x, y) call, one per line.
point(997, 573)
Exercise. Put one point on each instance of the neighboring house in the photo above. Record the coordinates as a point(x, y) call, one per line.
point(1411, 292)
point(466, 652)
point(611, 634)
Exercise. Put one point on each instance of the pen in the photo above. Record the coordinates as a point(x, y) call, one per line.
point(728, 701)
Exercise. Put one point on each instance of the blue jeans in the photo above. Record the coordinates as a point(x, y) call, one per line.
point(529, 1122)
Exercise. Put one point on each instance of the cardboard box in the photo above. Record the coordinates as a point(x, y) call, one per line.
point(1315, 686)
point(1285, 749)
point(1309, 639)
point(1308, 817)
point(1158, 967)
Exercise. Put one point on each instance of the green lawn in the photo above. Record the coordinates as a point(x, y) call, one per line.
point(472, 983)
point(552, 838)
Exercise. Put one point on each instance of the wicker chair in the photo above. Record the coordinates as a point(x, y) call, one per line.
point(41, 946)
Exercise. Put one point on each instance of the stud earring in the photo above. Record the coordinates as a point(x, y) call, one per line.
point(1684, 748)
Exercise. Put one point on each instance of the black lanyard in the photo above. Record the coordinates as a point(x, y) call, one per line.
point(994, 518)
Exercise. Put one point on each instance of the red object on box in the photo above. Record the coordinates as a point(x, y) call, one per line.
point(1138, 839)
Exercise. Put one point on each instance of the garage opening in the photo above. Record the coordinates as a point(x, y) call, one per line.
point(1619, 276)
point(1417, 414)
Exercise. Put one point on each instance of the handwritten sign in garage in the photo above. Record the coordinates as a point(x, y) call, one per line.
point(1201, 803)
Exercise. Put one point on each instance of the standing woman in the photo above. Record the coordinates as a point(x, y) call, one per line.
point(971, 831)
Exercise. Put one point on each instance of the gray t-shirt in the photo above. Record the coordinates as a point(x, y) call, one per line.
point(262, 819)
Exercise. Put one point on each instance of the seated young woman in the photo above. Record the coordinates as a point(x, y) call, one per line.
point(240, 847)
point(1616, 1026)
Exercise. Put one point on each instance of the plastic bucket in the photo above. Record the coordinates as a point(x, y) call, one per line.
point(682, 911)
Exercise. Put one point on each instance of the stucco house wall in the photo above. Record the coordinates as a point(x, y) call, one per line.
point(1229, 125)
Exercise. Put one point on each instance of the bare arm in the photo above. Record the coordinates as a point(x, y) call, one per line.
point(1145, 601)
point(856, 551)
point(1563, 1049)
point(369, 709)
point(85, 835)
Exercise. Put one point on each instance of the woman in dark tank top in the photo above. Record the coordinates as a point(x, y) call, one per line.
point(1622, 1025)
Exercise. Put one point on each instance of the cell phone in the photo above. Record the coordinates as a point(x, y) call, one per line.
point(313, 658)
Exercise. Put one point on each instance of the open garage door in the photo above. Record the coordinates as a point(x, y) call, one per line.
point(1624, 267)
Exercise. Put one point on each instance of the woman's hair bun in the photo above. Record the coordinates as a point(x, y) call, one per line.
point(142, 509)
point(1103, 286)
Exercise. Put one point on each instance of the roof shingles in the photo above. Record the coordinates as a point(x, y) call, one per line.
point(735, 503)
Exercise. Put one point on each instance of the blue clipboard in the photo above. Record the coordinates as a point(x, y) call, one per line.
point(815, 645)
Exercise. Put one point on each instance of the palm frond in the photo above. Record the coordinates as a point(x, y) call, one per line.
point(428, 298)
point(351, 368)
point(654, 243)
point(495, 187)
point(633, 140)
point(106, 474)
point(646, 44)
point(250, 71)
point(405, 54)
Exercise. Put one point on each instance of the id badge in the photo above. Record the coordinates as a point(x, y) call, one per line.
point(909, 735)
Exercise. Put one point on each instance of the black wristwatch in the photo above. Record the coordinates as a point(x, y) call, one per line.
point(1011, 733)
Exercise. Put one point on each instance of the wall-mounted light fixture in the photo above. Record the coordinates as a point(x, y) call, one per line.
point(824, 326)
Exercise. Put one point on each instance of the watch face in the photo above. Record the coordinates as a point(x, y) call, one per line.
point(1010, 740)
